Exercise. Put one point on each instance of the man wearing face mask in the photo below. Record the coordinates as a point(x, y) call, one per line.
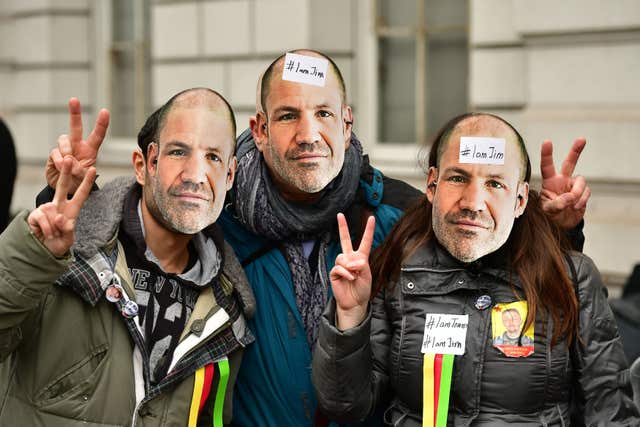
point(126, 307)
point(299, 168)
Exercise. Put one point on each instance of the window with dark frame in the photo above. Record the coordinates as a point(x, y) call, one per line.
point(423, 66)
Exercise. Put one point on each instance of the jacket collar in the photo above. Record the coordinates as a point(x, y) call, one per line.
point(100, 217)
point(436, 258)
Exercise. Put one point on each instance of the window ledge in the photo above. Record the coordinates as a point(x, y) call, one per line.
point(398, 161)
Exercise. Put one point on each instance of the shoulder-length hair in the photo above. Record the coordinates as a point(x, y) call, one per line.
point(537, 247)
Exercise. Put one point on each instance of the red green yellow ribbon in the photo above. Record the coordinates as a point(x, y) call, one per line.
point(204, 392)
point(223, 366)
point(436, 388)
point(428, 384)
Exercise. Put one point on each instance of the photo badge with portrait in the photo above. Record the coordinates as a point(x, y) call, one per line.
point(507, 321)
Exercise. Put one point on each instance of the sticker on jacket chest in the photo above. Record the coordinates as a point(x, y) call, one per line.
point(445, 333)
point(507, 321)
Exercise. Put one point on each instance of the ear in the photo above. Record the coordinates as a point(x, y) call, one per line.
point(347, 117)
point(253, 125)
point(522, 199)
point(261, 135)
point(152, 158)
point(231, 173)
point(138, 166)
point(432, 180)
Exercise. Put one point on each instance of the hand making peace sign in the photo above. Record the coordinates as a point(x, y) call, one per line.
point(84, 152)
point(53, 223)
point(564, 198)
point(351, 276)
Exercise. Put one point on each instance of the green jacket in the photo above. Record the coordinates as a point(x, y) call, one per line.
point(67, 354)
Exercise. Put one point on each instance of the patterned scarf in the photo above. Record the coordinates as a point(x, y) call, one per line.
point(262, 210)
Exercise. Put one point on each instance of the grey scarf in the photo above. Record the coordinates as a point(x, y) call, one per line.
point(262, 210)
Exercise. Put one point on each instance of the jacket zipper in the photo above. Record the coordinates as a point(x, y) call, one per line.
point(201, 340)
point(430, 270)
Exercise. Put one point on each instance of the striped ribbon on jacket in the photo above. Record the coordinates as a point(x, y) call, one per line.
point(209, 390)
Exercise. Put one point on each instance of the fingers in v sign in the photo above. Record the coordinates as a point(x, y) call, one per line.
point(53, 223)
point(351, 275)
point(83, 152)
point(564, 197)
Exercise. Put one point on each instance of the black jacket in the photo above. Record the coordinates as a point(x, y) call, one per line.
point(380, 361)
point(8, 170)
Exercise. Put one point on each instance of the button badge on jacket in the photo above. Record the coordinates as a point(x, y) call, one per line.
point(507, 321)
point(117, 295)
point(114, 292)
point(483, 302)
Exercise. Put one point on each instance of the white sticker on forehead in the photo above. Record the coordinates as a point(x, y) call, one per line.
point(305, 69)
point(483, 150)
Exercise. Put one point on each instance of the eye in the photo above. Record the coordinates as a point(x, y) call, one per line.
point(214, 157)
point(325, 113)
point(457, 179)
point(286, 117)
point(176, 152)
point(495, 184)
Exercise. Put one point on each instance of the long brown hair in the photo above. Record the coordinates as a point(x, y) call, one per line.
point(537, 247)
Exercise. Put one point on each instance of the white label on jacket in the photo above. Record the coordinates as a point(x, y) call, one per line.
point(445, 333)
point(487, 151)
point(305, 69)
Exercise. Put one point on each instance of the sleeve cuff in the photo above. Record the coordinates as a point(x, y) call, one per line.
point(342, 343)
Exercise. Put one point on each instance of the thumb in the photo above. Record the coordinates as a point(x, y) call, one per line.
point(558, 203)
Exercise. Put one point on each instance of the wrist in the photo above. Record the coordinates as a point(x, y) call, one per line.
point(347, 319)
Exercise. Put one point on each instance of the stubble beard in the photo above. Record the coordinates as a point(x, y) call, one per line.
point(465, 245)
point(309, 178)
point(179, 217)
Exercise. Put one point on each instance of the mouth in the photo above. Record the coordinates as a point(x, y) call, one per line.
point(469, 224)
point(191, 197)
point(309, 157)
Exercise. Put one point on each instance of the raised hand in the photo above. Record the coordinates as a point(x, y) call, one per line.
point(53, 223)
point(564, 197)
point(84, 152)
point(351, 276)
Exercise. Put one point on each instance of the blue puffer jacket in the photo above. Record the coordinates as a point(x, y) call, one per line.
point(274, 386)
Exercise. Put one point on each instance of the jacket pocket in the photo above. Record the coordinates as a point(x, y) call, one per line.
point(75, 382)
point(20, 413)
point(397, 415)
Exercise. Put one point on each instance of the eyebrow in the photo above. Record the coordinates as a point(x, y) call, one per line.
point(184, 146)
point(176, 144)
point(456, 170)
point(290, 109)
point(325, 105)
point(496, 176)
point(286, 109)
point(465, 173)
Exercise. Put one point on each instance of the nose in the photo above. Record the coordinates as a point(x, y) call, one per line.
point(194, 170)
point(308, 131)
point(473, 197)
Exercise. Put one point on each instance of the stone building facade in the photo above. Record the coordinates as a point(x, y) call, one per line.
point(557, 70)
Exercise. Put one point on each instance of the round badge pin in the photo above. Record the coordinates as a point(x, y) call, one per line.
point(483, 302)
point(130, 309)
point(114, 292)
